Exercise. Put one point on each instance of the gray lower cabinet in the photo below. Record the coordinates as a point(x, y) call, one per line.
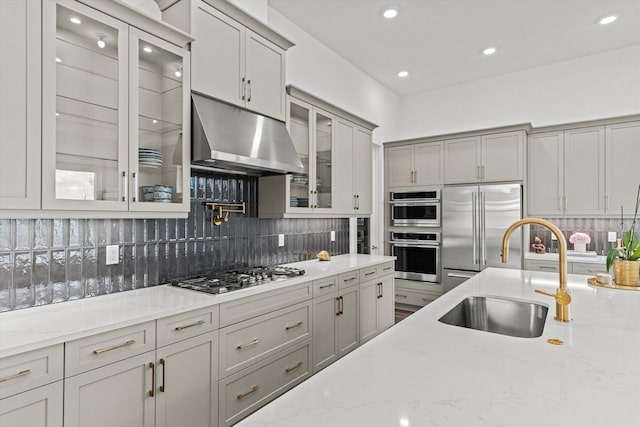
point(40, 407)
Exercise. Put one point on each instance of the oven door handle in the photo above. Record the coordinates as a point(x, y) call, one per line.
point(414, 245)
point(428, 202)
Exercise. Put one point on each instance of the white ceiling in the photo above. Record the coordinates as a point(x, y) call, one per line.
point(441, 41)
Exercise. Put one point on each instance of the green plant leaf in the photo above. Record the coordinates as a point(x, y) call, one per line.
point(635, 254)
point(611, 256)
point(630, 241)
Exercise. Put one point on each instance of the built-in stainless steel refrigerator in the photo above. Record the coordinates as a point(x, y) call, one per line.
point(474, 220)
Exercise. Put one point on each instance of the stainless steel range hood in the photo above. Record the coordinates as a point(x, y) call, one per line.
point(236, 140)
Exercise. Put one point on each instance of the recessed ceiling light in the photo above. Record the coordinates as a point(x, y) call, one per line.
point(75, 20)
point(608, 20)
point(390, 12)
point(403, 73)
point(489, 51)
point(101, 43)
point(147, 49)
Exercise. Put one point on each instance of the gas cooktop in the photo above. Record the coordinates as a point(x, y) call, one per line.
point(232, 280)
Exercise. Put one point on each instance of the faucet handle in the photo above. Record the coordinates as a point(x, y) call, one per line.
point(562, 297)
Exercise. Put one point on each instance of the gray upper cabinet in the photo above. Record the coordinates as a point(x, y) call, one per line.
point(20, 105)
point(622, 151)
point(485, 158)
point(566, 172)
point(415, 165)
point(114, 114)
point(235, 58)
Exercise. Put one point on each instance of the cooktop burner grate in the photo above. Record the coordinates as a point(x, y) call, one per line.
point(227, 281)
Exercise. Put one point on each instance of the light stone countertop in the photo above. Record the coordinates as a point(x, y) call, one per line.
point(38, 327)
point(425, 373)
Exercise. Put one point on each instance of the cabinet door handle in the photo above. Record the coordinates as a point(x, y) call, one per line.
point(357, 202)
point(18, 375)
point(482, 172)
point(199, 322)
point(293, 368)
point(135, 186)
point(329, 285)
point(402, 296)
point(341, 305)
point(115, 347)
point(548, 267)
point(125, 187)
point(164, 368)
point(252, 342)
point(244, 89)
point(338, 304)
point(249, 86)
point(152, 392)
point(370, 273)
point(387, 268)
point(247, 393)
point(288, 328)
point(348, 279)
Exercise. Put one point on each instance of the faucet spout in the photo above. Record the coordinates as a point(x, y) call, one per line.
point(562, 296)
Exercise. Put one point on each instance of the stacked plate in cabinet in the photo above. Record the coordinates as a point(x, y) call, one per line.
point(150, 157)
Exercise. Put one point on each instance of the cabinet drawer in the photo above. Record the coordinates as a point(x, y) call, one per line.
point(248, 390)
point(549, 266)
point(349, 278)
point(421, 299)
point(247, 342)
point(245, 308)
point(369, 273)
point(186, 325)
point(588, 269)
point(99, 350)
point(325, 286)
point(30, 370)
point(386, 268)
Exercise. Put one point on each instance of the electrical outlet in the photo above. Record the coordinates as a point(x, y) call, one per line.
point(280, 240)
point(113, 254)
point(333, 235)
point(611, 236)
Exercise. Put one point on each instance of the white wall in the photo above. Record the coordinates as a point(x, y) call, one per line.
point(592, 87)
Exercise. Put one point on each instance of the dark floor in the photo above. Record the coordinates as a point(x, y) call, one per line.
point(402, 314)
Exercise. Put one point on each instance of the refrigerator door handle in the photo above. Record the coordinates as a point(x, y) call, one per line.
point(483, 229)
point(474, 227)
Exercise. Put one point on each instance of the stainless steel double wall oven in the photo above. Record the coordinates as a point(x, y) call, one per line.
point(417, 249)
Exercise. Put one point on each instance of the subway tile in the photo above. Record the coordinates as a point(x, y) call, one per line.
point(23, 232)
point(75, 285)
point(6, 243)
point(90, 272)
point(58, 276)
point(42, 234)
point(22, 269)
point(40, 278)
point(90, 232)
point(128, 267)
point(76, 232)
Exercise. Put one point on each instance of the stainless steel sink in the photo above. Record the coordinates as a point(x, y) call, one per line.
point(499, 316)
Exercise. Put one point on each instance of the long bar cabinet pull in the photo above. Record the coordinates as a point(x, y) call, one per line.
point(18, 375)
point(370, 273)
point(387, 268)
point(152, 392)
point(338, 303)
point(247, 393)
point(199, 322)
point(164, 368)
point(135, 186)
point(341, 305)
point(293, 368)
point(348, 279)
point(327, 285)
point(244, 89)
point(125, 187)
point(249, 86)
point(115, 347)
point(252, 342)
point(288, 328)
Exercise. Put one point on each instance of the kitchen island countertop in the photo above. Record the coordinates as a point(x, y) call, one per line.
point(425, 373)
point(38, 327)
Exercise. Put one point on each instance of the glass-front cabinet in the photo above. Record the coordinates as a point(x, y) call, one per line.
point(113, 112)
point(311, 130)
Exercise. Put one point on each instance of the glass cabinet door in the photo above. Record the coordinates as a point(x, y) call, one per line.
point(323, 153)
point(84, 109)
point(300, 185)
point(158, 145)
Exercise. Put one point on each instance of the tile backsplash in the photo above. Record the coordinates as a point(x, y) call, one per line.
point(45, 261)
point(596, 228)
